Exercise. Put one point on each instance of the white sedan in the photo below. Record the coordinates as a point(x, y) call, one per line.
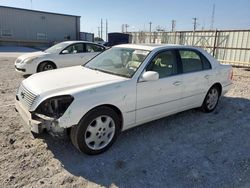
point(121, 88)
point(63, 54)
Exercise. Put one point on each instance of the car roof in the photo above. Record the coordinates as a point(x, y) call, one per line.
point(76, 41)
point(151, 47)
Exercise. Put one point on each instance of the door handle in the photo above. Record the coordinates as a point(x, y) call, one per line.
point(207, 76)
point(177, 83)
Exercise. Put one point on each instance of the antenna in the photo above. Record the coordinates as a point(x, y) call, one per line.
point(212, 18)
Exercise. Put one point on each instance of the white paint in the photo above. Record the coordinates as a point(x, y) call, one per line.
point(139, 102)
point(59, 59)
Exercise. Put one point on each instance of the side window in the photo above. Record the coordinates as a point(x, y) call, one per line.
point(193, 61)
point(75, 48)
point(164, 63)
point(206, 63)
point(93, 48)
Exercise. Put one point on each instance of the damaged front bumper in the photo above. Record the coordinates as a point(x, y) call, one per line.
point(37, 122)
point(30, 124)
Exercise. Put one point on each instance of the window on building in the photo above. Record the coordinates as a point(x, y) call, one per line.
point(41, 36)
point(6, 33)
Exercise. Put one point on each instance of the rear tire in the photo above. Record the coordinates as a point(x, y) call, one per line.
point(45, 66)
point(211, 100)
point(96, 131)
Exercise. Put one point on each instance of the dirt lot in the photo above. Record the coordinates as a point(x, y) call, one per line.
point(190, 149)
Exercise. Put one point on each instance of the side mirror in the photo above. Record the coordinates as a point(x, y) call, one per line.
point(65, 52)
point(149, 76)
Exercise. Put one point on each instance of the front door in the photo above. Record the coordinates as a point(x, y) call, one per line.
point(159, 98)
point(72, 56)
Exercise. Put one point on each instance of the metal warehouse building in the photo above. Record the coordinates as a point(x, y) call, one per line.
point(36, 28)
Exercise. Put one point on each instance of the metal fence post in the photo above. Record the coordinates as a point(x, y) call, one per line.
point(215, 42)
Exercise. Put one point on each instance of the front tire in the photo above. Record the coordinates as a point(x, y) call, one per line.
point(45, 66)
point(211, 100)
point(96, 131)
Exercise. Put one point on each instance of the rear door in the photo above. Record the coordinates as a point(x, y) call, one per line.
point(196, 72)
point(161, 97)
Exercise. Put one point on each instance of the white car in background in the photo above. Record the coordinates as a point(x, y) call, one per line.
point(64, 54)
point(125, 86)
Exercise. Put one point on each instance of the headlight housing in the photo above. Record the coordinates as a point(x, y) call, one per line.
point(55, 107)
point(29, 60)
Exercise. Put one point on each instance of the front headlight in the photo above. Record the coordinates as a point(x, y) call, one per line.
point(29, 60)
point(55, 107)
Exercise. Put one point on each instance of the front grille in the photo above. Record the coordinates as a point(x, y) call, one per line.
point(26, 97)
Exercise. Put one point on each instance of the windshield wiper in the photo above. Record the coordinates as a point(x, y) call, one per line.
point(90, 67)
point(100, 70)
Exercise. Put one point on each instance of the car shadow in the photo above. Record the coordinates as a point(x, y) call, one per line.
point(188, 149)
point(26, 75)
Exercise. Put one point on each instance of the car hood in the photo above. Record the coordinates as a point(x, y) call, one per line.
point(31, 55)
point(66, 79)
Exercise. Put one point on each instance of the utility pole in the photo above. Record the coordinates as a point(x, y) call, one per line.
point(212, 18)
point(101, 27)
point(195, 23)
point(150, 29)
point(31, 4)
point(106, 30)
point(99, 32)
point(126, 28)
point(173, 25)
point(195, 26)
point(122, 28)
point(150, 26)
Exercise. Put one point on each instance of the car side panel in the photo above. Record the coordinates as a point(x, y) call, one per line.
point(157, 98)
point(195, 87)
point(120, 95)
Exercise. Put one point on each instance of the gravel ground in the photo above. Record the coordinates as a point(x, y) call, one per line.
point(189, 149)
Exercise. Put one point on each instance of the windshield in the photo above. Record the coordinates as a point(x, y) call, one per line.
point(57, 48)
point(119, 61)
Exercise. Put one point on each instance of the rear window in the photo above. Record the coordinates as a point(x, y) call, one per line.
point(193, 61)
point(94, 48)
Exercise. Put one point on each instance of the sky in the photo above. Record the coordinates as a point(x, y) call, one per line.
point(229, 14)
